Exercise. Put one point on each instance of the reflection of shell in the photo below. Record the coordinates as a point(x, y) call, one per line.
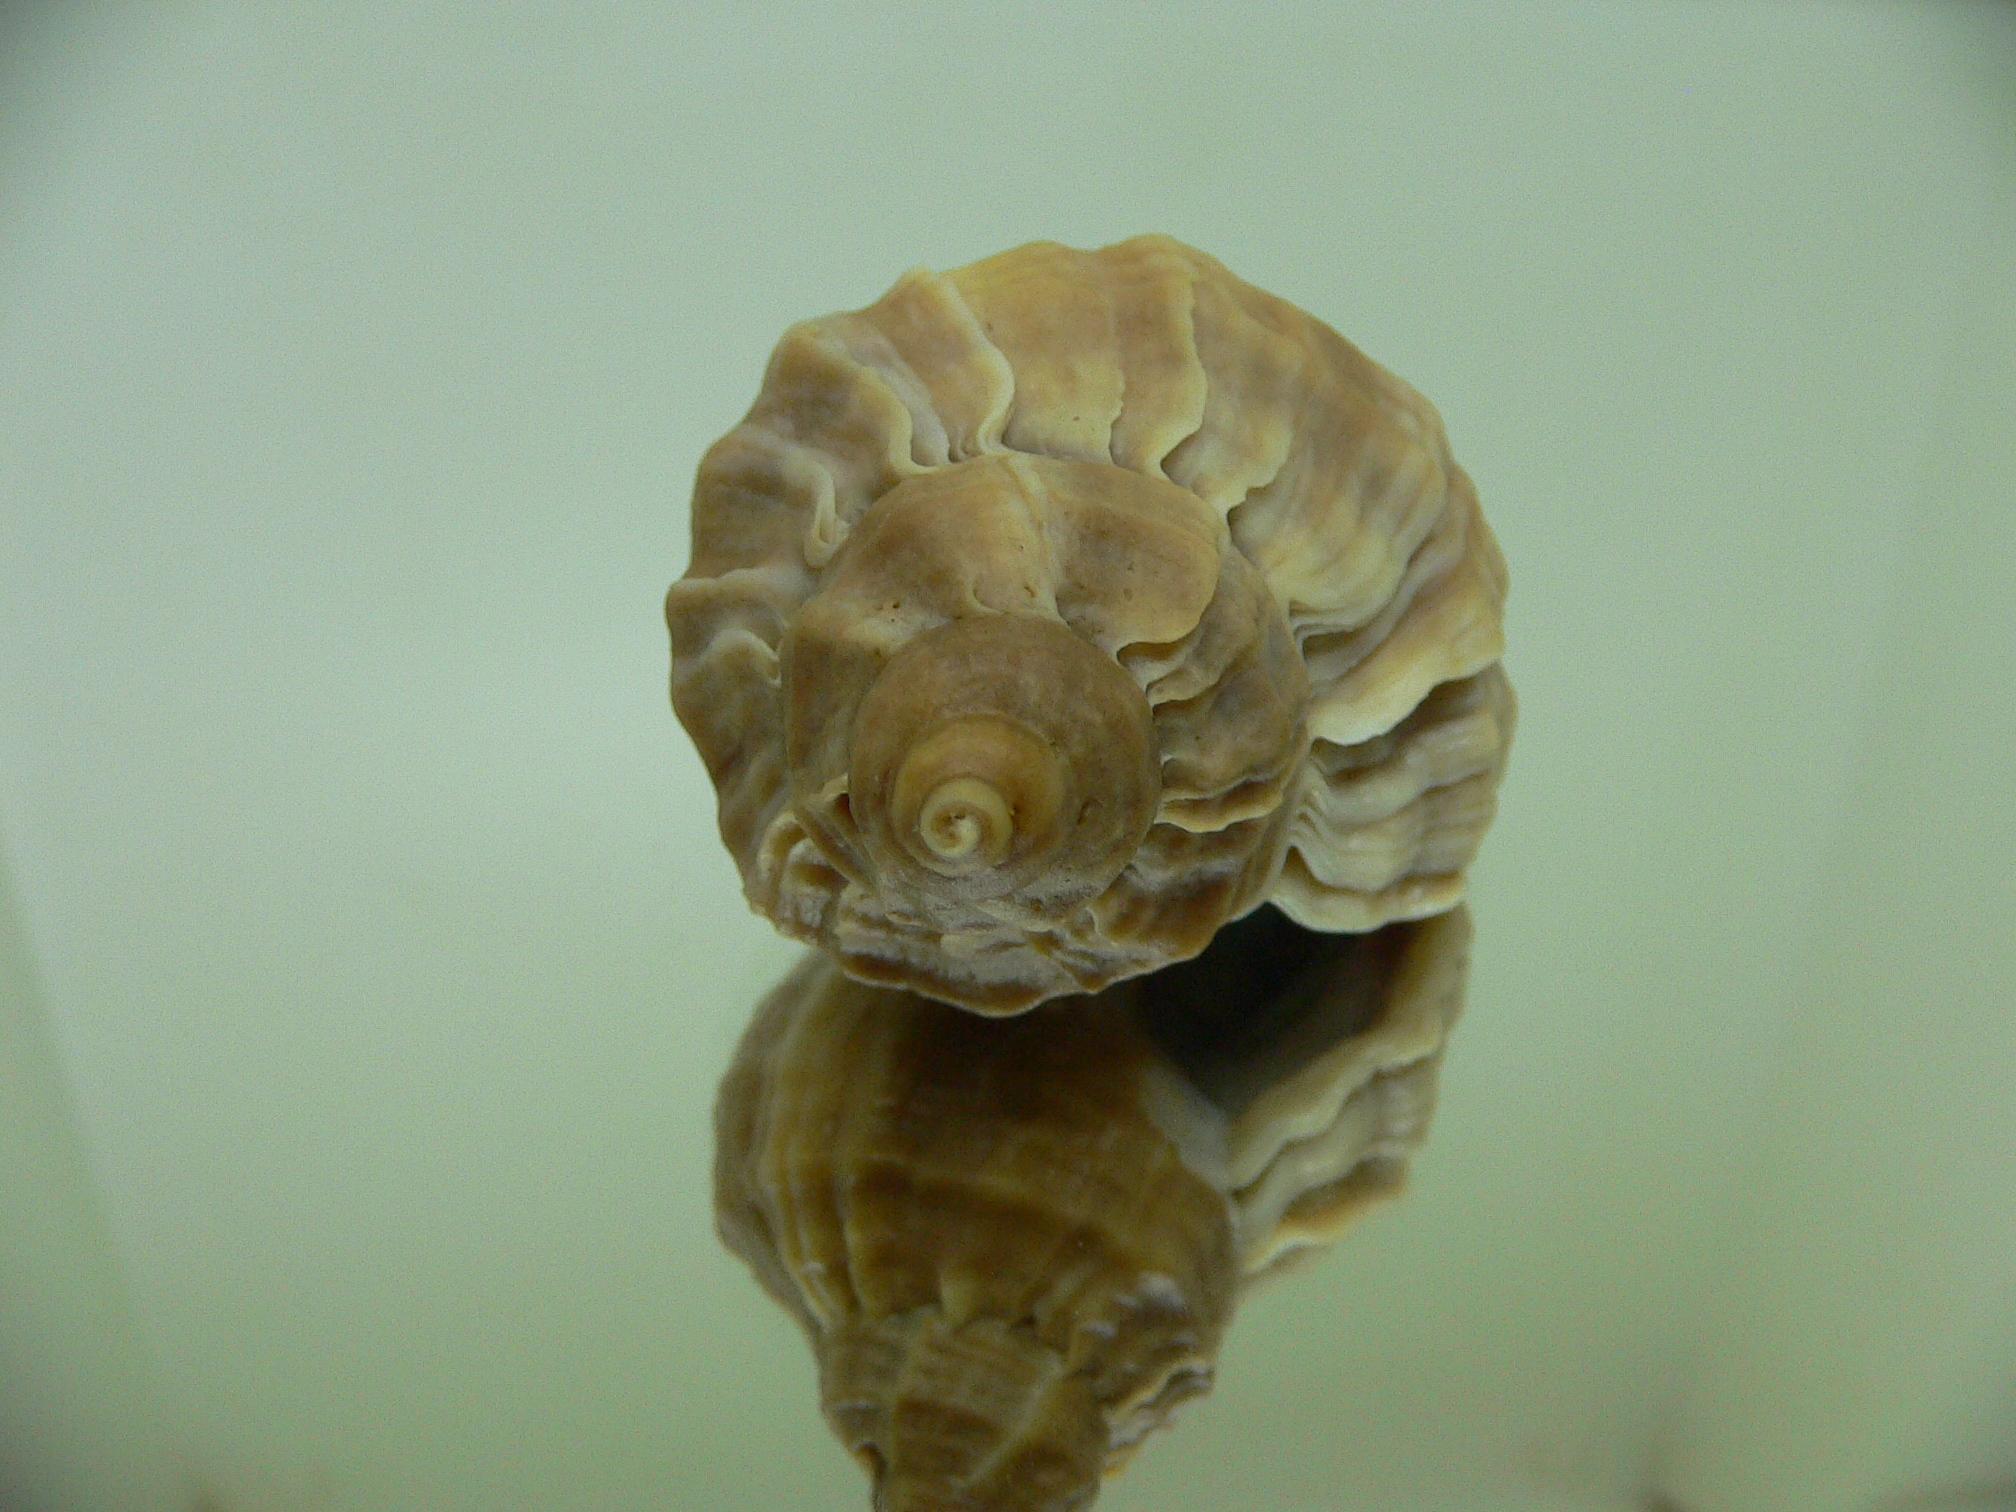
point(1316, 1056)
point(1048, 613)
point(1015, 1245)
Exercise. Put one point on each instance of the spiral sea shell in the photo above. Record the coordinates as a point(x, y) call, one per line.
point(1048, 613)
point(1015, 1245)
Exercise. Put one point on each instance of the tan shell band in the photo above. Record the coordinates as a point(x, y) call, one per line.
point(1285, 605)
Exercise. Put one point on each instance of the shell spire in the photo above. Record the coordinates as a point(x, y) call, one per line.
point(1049, 613)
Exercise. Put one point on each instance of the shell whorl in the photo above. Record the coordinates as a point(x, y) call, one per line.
point(1255, 529)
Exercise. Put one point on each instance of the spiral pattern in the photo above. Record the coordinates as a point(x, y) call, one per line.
point(1259, 543)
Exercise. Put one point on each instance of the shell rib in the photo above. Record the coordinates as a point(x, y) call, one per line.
point(1015, 1245)
point(1049, 613)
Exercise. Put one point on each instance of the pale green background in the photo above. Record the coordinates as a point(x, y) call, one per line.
point(371, 956)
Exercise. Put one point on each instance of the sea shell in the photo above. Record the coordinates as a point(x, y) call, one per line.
point(1046, 614)
point(1015, 1244)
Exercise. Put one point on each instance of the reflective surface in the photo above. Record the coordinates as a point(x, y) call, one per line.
point(354, 365)
point(1013, 1245)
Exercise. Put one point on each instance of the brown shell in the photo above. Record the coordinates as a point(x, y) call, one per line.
point(1047, 614)
point(1014, 1245)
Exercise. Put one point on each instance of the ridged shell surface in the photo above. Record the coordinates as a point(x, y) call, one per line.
point(1048, 613)
point(1015, 1245)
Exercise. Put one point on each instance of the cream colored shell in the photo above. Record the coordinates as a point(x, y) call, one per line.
point(1015, 1245)
point(1048, 613)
